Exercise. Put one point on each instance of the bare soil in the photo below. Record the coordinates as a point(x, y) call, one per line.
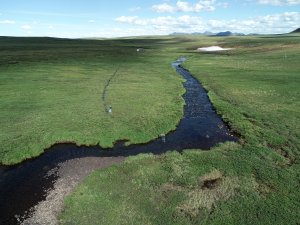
point(70, 174)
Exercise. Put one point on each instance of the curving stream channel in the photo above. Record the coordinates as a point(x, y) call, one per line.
point(25, 185)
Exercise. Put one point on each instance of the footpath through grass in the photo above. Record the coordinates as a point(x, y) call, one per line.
point(51, 92)
point(255, 87)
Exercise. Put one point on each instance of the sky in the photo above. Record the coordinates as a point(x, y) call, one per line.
point(112, 18)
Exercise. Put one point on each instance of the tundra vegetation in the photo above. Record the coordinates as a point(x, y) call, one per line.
point(51, 92)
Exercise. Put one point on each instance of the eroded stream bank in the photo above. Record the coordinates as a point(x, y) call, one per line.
point(24, 186)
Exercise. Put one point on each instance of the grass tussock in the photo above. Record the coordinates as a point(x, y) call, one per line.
point(207, 198)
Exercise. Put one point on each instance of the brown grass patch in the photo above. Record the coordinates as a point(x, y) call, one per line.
point(213, 187)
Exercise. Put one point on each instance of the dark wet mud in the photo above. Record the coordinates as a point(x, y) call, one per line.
point(24, 185)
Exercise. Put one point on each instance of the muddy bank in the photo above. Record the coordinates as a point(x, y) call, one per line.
point(26, 190)
point(70, 174)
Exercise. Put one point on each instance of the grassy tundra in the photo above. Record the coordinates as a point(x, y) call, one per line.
point(255, 87)
point(51, 92)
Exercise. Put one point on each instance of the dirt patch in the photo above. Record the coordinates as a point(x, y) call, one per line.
point(210, 184)
point(210, 180)
point(212, 188)
point(70, 174)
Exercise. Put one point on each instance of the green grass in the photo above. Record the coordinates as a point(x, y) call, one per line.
point(262, 83)
point(51, 92)
point(167, 190)
point(255, 88)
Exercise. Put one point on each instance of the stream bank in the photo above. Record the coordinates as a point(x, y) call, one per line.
point(28, 189)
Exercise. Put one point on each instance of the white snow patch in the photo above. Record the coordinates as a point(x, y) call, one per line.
point(212, 49)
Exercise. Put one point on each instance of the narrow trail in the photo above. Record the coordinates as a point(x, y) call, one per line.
point(105, 90)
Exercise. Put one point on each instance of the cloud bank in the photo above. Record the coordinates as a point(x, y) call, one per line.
point(277, 23)
point(7, 22)
point(279, 2)
point(182, 6)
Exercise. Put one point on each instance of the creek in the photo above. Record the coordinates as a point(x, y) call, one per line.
point(23, 186)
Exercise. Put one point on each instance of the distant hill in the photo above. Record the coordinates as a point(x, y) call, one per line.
point(208, 33)
point(296, 31)
point(226, 33)
point(178, 33)
point(229, 33)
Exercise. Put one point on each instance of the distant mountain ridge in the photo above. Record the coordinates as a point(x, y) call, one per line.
point(223, 33)
point(296, 31)
point(208, 33)
point(229, 33)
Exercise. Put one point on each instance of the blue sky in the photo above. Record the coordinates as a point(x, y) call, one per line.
point(96, 18)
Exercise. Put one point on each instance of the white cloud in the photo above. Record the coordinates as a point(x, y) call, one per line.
point(26, 27)
point(7, 22)
point(165, 23)
point(207, 5)
point(279, 2)
point(163, 8)
point(50, 27)
point(135, 9)
point(275, 23)
point(92, 21)
point(131, 20)
point(183, 6)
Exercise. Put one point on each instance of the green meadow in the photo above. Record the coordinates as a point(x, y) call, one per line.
point(51, 92)
point(255, 88)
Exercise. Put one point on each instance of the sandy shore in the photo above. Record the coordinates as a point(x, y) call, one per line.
point(70, 174)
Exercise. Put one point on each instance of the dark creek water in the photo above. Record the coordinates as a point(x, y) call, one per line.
point(24, 185)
